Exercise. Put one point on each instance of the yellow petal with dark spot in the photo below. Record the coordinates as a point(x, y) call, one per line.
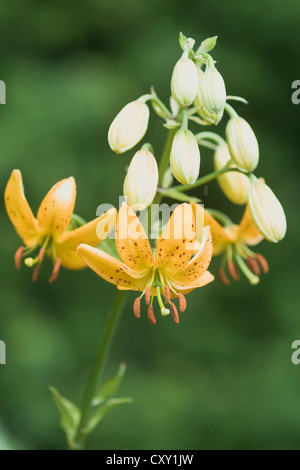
point(19, 211)
point(111, 269)
point(132, 242)
point(57, 207)
point(174, 247)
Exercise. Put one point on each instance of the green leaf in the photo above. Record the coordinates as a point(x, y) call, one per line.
point(110, 387)
point(100, 412)
point(207, 45)
point(70, 415)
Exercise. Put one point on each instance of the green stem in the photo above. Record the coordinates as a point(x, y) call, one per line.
point(99, 365)
point(165, 158)
point(211, 136)
point(206, 179)
point(230, 111)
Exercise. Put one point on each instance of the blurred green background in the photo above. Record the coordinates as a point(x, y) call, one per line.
point(223, 378)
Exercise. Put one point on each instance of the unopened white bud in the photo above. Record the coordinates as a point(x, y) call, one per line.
point(141, 181)
point(185, 157)
point(128, 127)
point(242, 143)
point(208, 117)
point(266, 212)
point(184, 83)
point(213, 91)
point(234, 185)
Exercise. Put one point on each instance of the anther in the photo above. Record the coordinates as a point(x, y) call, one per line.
point(233, 271)
point(253, 265)
point(174, 313)
point(55, 272)
point(167, 294)
point(147, 295)
point(182, 302)
point(151, 316)
point(223, 278)
point(19, 256)
point(263, 262)
point(137, 307)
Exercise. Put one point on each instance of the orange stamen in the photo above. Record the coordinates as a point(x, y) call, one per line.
point(137, 307)
point(263, 262)
point(182, 302)
point(151, 316)
point(19, 256)
point(253, 265)
point(147, 295)
point(167, 294)
point(55, 272)
point(233, 271)
point(174, 313)
point(223, 278)
point(36, 270)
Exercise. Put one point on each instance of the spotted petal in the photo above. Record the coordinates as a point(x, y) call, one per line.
point(57, 207)
point(132, 242)
point(197, 265)
point(19, 211)
point(111, 269)
point(89, 233)
point(184, 289)
point(218, 233)
point(174, 247)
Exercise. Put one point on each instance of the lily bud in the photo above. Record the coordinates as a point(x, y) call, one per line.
point(213, 91)
point(141, 181)
point(184, 82)
point(128, 127)
point(185, 157)
point(234, 185)
point(266, 212)
point(242, 143)
point(209, 118)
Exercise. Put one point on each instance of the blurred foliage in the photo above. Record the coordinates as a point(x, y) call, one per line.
point(223, 378)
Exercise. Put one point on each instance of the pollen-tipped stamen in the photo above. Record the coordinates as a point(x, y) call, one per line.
point(19, 256)
point(55, 272)
point(223, 278)
point(147, 295)
point(174, 312)
point(167, 294)
point(36, 270)
point(233, 271)
point(151, 316)
point(137, 307)
point(182, 302)
point(253, 265)
point(263, 263)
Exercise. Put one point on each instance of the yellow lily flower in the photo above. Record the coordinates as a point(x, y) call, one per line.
point(233, 242)
point(172, 271)
point(50, 228)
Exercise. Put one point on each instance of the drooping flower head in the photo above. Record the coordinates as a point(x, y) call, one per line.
point(51, 230)
point(171, 270)
point(233, 242)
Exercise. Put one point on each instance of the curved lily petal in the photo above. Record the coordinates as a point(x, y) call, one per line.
point(111, 269)
point(57, 207)
point(174, 247)
point(132, 242)
point(197, 265)
point(19, 211)
point(218, 233)
point(206, 278)
point(66, 248)
point(248, 232)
